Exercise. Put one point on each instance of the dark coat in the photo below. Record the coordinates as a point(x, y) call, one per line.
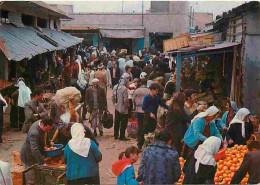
point(32, 149)
point(31, 108)
point(101, 96)
point(117, 74)
point(250, 165)
point(205, 174)
point(160, 165)
point(235, 134)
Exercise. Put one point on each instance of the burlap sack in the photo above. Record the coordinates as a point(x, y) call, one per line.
point(62, 96)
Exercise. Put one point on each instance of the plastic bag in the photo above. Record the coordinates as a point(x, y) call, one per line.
point(107, 119)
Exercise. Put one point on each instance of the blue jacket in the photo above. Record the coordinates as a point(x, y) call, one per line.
point(194, 133)
point(151, 105)
point(224, 119)
point(160, 165)
point(127, 176)
point(82, 167)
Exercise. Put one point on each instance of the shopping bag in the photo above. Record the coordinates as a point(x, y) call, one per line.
point(107, 119)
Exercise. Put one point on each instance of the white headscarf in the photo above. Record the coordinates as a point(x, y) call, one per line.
point(79, 144)
point(24, 94)
point(206, 152)
point(6, 105)
point(239, 118)
point(211, 111)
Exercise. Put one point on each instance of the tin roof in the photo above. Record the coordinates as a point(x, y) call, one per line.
point(36, 8)
point(20, 43)
point(217, 46)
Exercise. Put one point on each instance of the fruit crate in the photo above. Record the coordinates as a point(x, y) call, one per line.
point(47, 175)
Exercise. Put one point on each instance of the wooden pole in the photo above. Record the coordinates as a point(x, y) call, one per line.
point(178, 77)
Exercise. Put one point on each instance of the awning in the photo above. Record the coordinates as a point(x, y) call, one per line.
point(122, 32)
point(20, 43)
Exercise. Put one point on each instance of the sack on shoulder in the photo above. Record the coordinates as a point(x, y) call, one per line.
point(107, 119)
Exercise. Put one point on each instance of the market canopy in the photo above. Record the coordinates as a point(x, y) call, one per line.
point(27, 42)
point(122, 32)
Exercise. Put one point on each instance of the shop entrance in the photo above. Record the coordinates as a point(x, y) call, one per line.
point(118, 44)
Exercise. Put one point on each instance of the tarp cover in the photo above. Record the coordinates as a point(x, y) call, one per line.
point(122, 34)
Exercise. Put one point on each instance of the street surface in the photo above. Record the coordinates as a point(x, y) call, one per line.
point(109, 147)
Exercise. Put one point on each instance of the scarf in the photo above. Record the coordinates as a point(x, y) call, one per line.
point(79, 144)
point(24, 94)
point(239, 118)
point(234, 106)
point(206, 152)
point(209, 112)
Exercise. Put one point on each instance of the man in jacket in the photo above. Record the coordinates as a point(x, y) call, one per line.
point(34, 110)
point(115, 74)
point(138, 98)
point(101, 76)
point(150, 106)
point(250, 165)
point(32, 149)
point(120, 93)
point(96, 103)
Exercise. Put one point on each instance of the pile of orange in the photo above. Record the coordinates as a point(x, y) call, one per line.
point(51, 148)
point(227, 167)
point(182, 161)
point(230, 164)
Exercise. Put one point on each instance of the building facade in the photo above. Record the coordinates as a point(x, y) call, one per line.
point(139, 30)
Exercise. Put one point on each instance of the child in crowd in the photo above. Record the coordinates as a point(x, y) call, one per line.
point(124, 169)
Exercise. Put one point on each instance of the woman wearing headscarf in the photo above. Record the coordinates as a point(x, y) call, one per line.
point(3, 106)
point(240, 128)
point(81, 155)
point(202, 126)
point(227, 117)
point(201, 168)
point(24, 95)
point(120, 96)
point(229, 114)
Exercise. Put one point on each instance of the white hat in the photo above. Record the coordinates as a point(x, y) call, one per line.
point(95, 80)
point(143, 75)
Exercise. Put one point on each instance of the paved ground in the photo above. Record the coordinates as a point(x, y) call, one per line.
point(109, 147)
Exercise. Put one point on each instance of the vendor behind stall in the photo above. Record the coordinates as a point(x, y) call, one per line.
point(32, 149)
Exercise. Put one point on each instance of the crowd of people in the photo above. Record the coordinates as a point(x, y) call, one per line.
point(140, 85)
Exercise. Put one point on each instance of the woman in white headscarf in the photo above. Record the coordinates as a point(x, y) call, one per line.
point(240, 128)
point(81, 155)
point(202, 126)
point(201, 168)
point(24, 95)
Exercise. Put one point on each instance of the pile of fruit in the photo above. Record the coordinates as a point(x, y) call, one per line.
point(50, 148)
point(182, 161)
point(227, 167)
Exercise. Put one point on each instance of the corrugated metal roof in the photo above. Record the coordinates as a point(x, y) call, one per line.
point(220, 45)
point(21, 43)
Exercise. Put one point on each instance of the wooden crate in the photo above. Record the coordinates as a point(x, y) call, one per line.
point(17, 175)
